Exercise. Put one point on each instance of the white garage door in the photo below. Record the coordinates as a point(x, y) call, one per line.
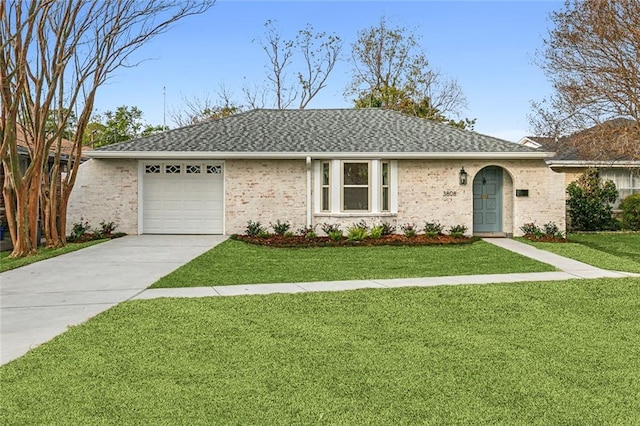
point(182, 198)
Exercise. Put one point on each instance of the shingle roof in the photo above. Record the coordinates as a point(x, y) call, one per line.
point(319, 130)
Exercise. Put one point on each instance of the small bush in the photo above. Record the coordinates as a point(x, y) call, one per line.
point(358, 231)
point(376, 232)
point(78, 229)
point(280, 228)
point(433, 229)
point(308, 232)
point(254, 229)
point(630, 207)
point(332, 230)
point(549, 230)
point(387, 229)
point(409, 229)
point(457, 231)
point(107, 228)
point(288, 234)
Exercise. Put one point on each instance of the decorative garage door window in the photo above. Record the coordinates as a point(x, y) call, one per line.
point(181, 168)
point(214, 170)
point(172, 168)
point(152, 168)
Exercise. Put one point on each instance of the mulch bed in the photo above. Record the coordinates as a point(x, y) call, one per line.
point(298, 241)
point(545, 239)
point(92, 237)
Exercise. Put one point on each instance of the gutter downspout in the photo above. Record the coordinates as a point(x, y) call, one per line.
point(308, 192)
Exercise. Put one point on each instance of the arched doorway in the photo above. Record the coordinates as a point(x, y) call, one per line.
point(487, 201)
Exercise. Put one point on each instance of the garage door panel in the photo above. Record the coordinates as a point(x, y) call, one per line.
point(183, 203)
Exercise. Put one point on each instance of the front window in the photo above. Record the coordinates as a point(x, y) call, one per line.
point(385, 187)
point(326, 188)
point(355, 186)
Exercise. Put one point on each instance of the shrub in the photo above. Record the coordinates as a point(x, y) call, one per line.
point(630, 207)
point(409, 229)
point(78, 229)
point(457, 231)
point(255, 229)
point(106, 228)
point(590, 201)
point(549, 229)
point(376, 232)
point(387, 228)
point(308, 232)
point(280, 228)
point(332, 230)
point(433, 229)
point(358, 231)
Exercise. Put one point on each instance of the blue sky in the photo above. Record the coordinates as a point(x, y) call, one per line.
point(488, 47)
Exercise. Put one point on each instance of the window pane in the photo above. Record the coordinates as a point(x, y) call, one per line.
point(325, 173)
point(385, 174)
point(356, 198)
point(325, 199)
point(356, 173)
point(385, 199)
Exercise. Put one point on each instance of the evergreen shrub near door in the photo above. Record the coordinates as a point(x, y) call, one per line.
point(590, 203)
point(630, 207)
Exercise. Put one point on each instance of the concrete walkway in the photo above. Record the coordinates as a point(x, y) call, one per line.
point(567, 269)
point(41, 300)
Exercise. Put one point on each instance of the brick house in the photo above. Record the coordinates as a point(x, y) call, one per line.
point(310, 167)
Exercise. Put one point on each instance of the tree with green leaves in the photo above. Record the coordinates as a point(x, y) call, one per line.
point(121, 125)
point(390, 70)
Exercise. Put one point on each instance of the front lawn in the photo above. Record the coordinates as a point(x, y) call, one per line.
point(8, 263)
point(614, 251)
point(528, 353)
point(235, 262)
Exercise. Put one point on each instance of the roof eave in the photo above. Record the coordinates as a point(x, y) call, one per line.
point(588, 163)
point(230, 155)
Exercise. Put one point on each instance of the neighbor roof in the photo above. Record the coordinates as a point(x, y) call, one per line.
point(317, 132)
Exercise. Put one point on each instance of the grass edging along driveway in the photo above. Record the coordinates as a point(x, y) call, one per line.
point(7, 263)
point(235, 262)
point(616, 251)
point(528, 353)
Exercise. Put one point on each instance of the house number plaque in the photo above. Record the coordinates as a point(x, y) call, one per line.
point(449, 193)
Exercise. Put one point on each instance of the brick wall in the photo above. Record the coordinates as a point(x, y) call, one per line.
point(264, 191)
point(106, 190)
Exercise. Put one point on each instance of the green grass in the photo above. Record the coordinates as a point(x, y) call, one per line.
point(613, 251)
point(235, 262)
point(529, 353)
point(8, 263)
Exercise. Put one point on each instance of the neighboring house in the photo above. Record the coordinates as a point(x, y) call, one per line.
point(625, 173)
point(25, 159)
point(310, 167)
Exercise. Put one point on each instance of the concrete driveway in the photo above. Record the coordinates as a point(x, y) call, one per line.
point(40, 301)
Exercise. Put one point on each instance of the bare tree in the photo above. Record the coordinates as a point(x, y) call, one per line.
point(199, 109)
point(389, 69)
point(319, 51)
point(591, 59)
point(54, 57)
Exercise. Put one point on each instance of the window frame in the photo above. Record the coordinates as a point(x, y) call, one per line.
point(343, 186)
point(325, 186)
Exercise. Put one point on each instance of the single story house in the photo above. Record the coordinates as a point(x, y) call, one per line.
point(310, 167)
point(572, 161)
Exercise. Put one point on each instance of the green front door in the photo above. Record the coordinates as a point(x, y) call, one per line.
point(487, 200)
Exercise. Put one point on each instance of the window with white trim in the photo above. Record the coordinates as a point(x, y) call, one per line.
point(384, 187)
point(355, 186)
point(325, 170)
point(627, 182)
